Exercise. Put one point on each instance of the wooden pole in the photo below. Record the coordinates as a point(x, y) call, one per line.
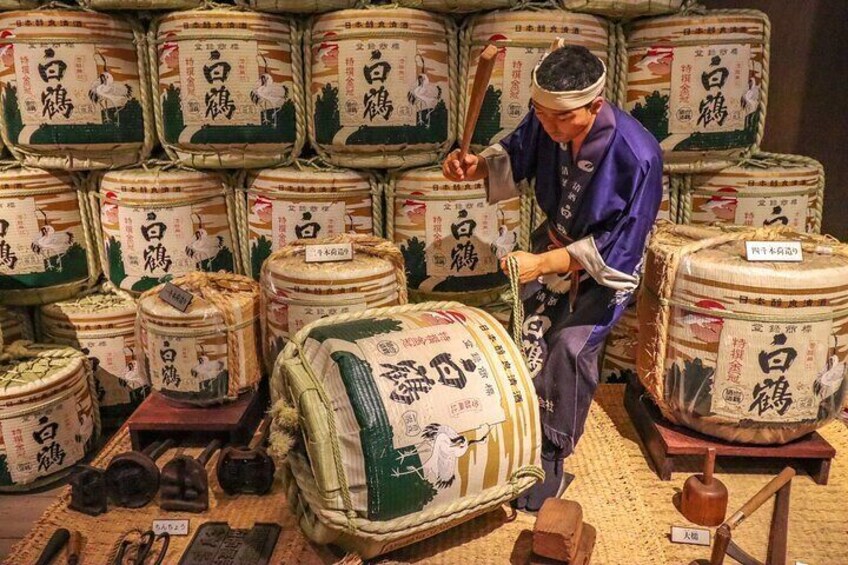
point(478, 91)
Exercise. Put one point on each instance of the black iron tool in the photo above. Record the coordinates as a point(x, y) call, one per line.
point(88, 490)
point(54, 545)
point(132, 478)
point(216, 542)
point(247, 470)
point(185, 484)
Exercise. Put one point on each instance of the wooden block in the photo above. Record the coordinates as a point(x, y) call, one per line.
point(587, 545)
point(557, 532)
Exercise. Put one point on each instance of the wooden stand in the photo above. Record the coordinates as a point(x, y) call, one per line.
point(666, 442)
point(232, 423)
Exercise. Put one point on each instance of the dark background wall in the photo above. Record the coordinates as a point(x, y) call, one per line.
point(807, 109)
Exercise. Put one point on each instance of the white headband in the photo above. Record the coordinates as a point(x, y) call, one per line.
point(566, 100)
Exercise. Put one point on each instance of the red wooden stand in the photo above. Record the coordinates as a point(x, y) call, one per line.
point(666, 442)
point(232, 423)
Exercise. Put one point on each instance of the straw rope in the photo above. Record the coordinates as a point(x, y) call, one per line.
point(665, 240)
point(215, 288)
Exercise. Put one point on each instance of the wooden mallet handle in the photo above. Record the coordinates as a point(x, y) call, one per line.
point(478, 92)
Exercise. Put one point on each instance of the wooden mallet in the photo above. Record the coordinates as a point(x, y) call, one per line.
point(478, 92)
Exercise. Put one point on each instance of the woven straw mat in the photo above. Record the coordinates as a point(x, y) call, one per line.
point(620, 494)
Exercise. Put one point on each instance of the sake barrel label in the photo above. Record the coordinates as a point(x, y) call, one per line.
point(375, 78)
point(460, 235)
point(183, 364)
point(515, 90)
point(217, 78)
point(112, 370)
point(763, 370)
point(329, 252)
point(708, 84)
point(771, 251)
point(175, 296)
point(301, 315)
point(433, 376)
point(19, 230)
point(54, 81)
point(788, 211)
point(45, 441)
point(306, 220)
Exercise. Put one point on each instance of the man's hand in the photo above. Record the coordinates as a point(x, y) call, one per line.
point(472, 168)
point(530, 266)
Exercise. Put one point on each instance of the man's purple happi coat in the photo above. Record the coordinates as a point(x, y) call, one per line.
point(601, 207)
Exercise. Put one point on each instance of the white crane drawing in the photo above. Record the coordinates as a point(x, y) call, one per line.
point(108, 94)
point(269, 95)
point(446, 448)
point(424, 96)
point(203, 247)
point(52, 245)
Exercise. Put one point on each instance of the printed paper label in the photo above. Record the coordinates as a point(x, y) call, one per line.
point(460, 235)
point(774, 251)
point(301, 315)
point(433, 377)
point(691, 536)
point(54, 83)
point(171, 527)
point(19, 230)
point(379, 84)
point(217, 78)
point(515, 89)
point(112, 370)
point(180, 364)
point(46, 441)
point(788, 211)
point(306, 220)
point(154, 240)
point(707, 87)
point(766, 371)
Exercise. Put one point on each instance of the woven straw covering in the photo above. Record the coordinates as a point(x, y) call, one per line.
point(620, 495)
point(753, 352)
point(721, 116)
point(209, 353)
point(624, 9)
point(99, 116)
point(302, 6)
point(46, 229)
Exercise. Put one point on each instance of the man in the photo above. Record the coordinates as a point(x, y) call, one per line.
point(598, 179)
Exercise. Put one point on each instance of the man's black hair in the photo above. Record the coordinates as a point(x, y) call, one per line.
point(572, 67)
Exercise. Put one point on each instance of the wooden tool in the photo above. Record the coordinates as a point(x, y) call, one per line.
point(132, 478)
point(185, 484)
point(247, 470)
point(74, 548)
point(723, 544)
point(54, 545)
point(478, 92)
point(88, 490)
point(704, 499)
point(558, 529)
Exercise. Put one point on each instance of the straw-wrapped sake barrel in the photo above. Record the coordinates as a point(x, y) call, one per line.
point(75, 89)
point(623, 9)
point(15, 324)
point(101, 325)
point(157, 223)
point(208, 354)
point(450, 237)
point(302, 6)
point(457, 6)
point(415, 419)
point(751, 352)
point(305, 202)
point(382, 86)
point(698, 82)
point(296, 292)
point(46, 248)
point(141, 4)
point(48, 415)
point(767, 190)
point(619, 359)
point(228, 87)
point(522, 37)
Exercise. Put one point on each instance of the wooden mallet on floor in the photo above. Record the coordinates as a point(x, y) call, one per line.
point(478, 92)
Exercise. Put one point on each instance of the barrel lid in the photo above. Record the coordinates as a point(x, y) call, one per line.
point(23, 372)
point(92, 309)
point(307, 180)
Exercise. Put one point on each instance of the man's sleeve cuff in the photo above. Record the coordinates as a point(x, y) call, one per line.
point(500, 184)
point(585, 252)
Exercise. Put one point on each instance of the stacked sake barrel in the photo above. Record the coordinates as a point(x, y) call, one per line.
point(15, 324)
point(48, 414)
point(296, 292)
point(233, 101)
point(208, 354)
point(751, 352)
point(307, 201)
point(451, 238)
point(522, 37)
point(156, 223)
point(46, 249)
point(101, 325)
point(74, 99)
point(376, 394)
point(382, 86)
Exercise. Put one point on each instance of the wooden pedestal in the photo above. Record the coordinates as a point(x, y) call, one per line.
point(232, 423)
point(666, 442)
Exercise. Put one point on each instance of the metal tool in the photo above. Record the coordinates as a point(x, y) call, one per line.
point(135, 551)
point(132, 478)
point(216, 542)
point(88, 490)
point(247, 470)
point(185, 484)
point(704, 498)
point(54, 545)
point(478, 92)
